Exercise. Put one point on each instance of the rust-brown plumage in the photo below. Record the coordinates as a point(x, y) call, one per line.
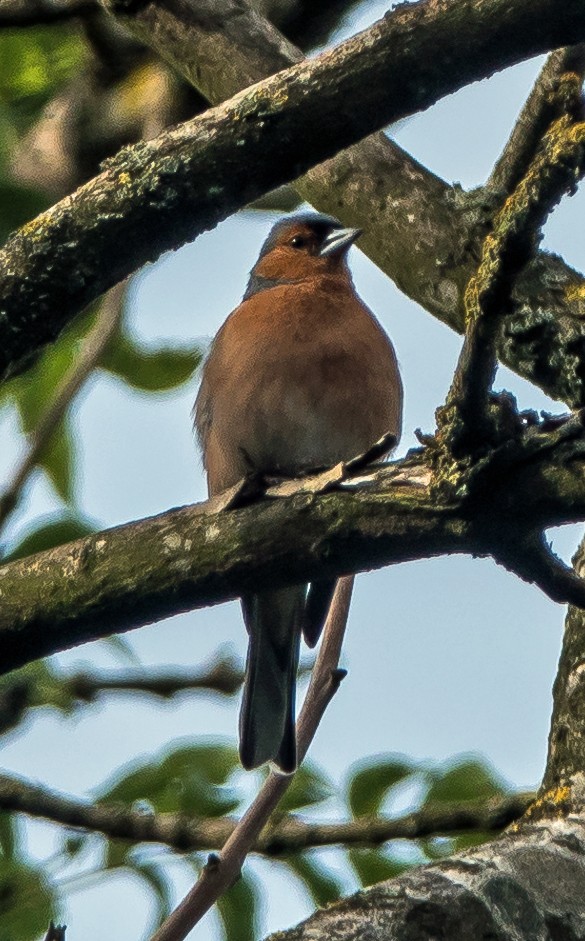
point(301, 375)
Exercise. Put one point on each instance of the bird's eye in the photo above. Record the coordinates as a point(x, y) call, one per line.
point(298, 241)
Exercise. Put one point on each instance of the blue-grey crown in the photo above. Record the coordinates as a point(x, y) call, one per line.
point(320, 222)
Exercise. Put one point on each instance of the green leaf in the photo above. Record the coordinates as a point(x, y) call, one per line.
point(150, 370)
point(27, 902)
point(237, 910)
point(309, 786)
point(34, 63)
point(373, 866)
point(191, 779)
point(50, 531)
point(370, 783)
point(321, 884)
point(464, 779)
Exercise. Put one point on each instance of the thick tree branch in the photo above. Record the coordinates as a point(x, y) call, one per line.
point(546, 102)
point(158, 195)
point(565, 767)
point(560, 162)
point(16, 13)
point(424, 234)
point(528, 884)
point(290, 835)
point(195, 556)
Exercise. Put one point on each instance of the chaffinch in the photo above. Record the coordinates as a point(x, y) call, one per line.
point(301, 375)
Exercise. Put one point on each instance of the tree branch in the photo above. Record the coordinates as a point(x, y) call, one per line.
point(422, 233)
point(17, 13)
point(544, 105)
point(290, 835)
point(467, 418)
point(222, 871)
point(191, 557)
point(525, 885)
point(157, 195)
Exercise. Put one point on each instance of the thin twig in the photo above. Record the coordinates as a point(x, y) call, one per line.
point(19, 13)
point(543, 106)
point(223, 870)
point(108, 319)
point(183, 834)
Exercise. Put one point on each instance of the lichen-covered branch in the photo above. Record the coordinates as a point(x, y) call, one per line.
point(288, 835)
point(565, 767)
point(158, 195)
point(467, 418)
point(547, 102)
point(138, 573)
point(424, 234)
point(526, 885)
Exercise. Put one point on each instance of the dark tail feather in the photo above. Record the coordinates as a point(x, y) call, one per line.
point(316, 609)
point(267, 717)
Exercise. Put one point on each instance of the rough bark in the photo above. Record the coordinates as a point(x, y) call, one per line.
point(526, 886)
point(421, 232)
point(158, 195)
point(138, 573)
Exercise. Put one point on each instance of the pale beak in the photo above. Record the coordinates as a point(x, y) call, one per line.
point(338, 241)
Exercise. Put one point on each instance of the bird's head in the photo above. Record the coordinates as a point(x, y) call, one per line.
point(301, 246)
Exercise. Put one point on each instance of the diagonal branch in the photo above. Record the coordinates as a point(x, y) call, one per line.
point(555, 170)
point(223, 870)
point(546, 102)
point(159, 194)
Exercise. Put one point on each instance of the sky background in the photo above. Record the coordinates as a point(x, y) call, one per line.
point(445, 656)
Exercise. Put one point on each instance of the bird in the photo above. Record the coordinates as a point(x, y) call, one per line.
point(300, 376)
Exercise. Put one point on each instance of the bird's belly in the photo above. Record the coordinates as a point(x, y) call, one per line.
point(307, 424)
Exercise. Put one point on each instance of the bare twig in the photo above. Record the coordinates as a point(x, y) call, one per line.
point(16, 13)
point(223, 870)
point(543, 106)
point(290, 835)
point(95, 343)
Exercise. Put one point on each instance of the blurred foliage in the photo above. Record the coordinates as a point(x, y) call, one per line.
point(141, 367)
point(28, 901)
point(34, 65)
point(204, 780)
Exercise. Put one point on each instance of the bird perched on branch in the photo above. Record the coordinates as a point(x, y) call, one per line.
point(300, 376)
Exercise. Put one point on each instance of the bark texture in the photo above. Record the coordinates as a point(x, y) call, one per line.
point(191, 557)
point(421, 232)
point(526, 886)
point(157, 195)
